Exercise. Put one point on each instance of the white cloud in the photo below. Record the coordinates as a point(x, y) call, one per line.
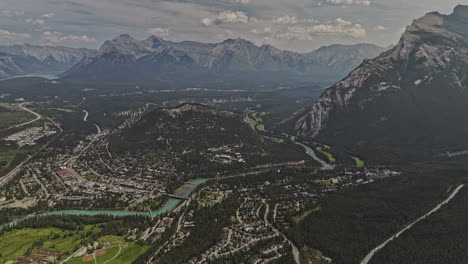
point(337, 27)
point(380, 28)
point(340, 26)
point(342, 22)
point(37, 22)
point(241, 1)
point(59, 37)
point(163, 32)
point(228, 17)
point(349, 2)
point(292, 20)
point(12, 37)
point(286, 20)
point(47, 15)
point(41, 20)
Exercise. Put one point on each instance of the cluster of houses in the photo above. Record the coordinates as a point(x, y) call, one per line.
point(40, 257)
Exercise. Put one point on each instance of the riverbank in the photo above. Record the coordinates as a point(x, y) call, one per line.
point(183, 192)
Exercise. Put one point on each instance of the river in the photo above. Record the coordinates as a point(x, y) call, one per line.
point(311, 153)
point(184, 191)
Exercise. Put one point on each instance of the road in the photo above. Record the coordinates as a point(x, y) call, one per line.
point(74, 158)
point(116, 255)
point(5, 179)
point(437, 208)
point(76, 253)
point(37, 117)
point(85, 118)
point(295, 250)
point(274, 212)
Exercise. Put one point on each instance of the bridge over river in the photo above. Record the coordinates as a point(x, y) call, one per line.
point(175, 199)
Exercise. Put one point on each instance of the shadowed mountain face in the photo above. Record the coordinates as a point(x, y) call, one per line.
point(413, 96)
point(234, 62)
point(27, 59)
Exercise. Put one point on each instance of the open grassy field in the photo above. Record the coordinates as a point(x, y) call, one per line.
point(359, 163)
point(254, 118)
point(16, 243)
point(91, 177)
point(109, 254)
point(11, 155)
point(128, 253)
point(112, 240)
point(11, 115)
point(330, 157)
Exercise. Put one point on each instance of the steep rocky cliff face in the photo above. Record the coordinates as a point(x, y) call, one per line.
point(414, 94)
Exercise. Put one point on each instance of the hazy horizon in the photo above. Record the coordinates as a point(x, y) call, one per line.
point(297, 25)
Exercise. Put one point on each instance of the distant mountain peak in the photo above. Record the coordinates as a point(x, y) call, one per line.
point(239, 41)
point(124, 37)
point(155, 38)
point(155, 57)
point(28, 59)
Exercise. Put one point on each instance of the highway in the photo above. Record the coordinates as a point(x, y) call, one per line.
point(37, 117)
point(437, 208)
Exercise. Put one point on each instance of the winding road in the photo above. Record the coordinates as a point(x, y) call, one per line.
point(437, 208)
point(295, 250)
point(85, 118)
point(37, 117)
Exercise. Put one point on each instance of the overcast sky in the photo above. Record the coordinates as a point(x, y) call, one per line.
point(300, 25)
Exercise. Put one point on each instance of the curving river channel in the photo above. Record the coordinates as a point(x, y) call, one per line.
point(183, 192)
point(311, 153)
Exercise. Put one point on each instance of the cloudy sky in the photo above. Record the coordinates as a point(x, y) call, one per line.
point(300, 25)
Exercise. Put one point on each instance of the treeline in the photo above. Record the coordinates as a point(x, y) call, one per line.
point(352, 222)
point(108, 202)
point(208, 230)
point(439, 239)
point(108, 224)
point(9, 214)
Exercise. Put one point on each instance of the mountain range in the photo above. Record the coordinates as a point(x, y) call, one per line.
point(411, 100)
point(234, 62)
point(25, 59)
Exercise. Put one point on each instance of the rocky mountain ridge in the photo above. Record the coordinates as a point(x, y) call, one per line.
point(234, 59)
point(28, 59)
point(424, 76)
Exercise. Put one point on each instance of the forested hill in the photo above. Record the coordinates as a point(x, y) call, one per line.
point(197, 138)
